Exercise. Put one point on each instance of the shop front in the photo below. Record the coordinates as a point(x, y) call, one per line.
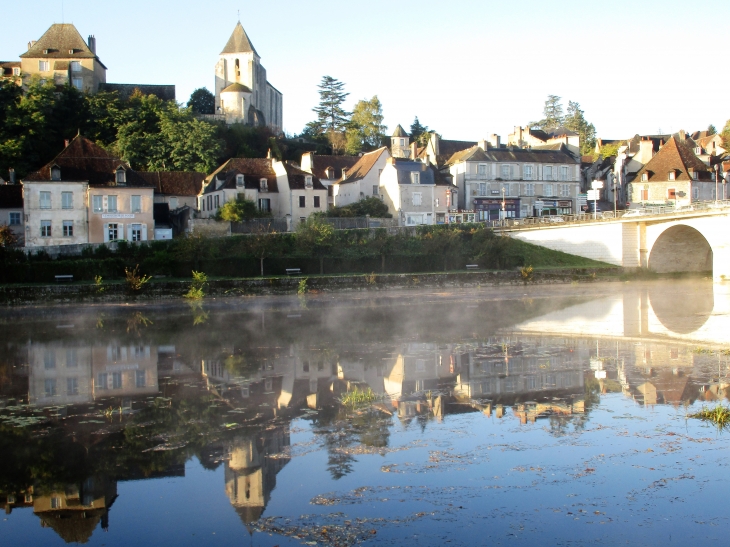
point(490, 208)
point(545, 207)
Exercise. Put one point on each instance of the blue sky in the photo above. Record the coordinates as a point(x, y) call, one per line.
point(466, 68)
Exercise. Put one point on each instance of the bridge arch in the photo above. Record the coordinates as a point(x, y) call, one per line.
point(681, 248)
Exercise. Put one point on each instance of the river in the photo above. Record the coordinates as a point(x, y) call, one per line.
point(535, 415)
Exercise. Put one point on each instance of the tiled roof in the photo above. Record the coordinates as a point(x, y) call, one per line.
point(449, 148)
point(363, 165)
point(400, 132)
point(252, 169)
point(705, 141)
point(512, 154)
point(175, 183)
point(125, 91)
point(59, 41)
point(404, 168)
point(320, 164)
point(11, 196)
point(6, 67)
point(239, 42)
point(674, 156)
point(84, 161)
point(561, 132)
point(297, 178)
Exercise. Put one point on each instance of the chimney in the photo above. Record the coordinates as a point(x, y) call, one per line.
point(646, 151)
point(65, 143)
point(92, 43)
point(31, 44)
point(483, 144)
point(414, 150)
point(682, 135)
point(12, 175)
point(495, 140)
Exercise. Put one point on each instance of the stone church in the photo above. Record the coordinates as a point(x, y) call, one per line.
point(242, 93)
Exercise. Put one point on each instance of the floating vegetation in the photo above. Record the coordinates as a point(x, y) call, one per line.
point(720, 415)
point(358, 397)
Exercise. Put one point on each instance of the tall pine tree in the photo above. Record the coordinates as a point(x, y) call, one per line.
point(331, 117)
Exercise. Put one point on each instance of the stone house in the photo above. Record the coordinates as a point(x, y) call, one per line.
point(242, 92)
point(527, 137)
point(175, 188)
point(62, 56)
point(415, 193)
point(530, 182)
point(86, 195)
point(11, 210)
point(438, 151)
point(304, 193)
point(362, 180)
point(328, 169)
point(674, 176)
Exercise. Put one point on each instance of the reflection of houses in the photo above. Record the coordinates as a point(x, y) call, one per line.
point(659, 374)
point(420, 367)
point(59, 374)
point(251, 469)
point(124, 370)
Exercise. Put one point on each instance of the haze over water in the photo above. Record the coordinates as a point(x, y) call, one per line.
point(510, 415)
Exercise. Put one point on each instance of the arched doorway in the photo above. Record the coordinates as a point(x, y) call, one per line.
point(681, 249)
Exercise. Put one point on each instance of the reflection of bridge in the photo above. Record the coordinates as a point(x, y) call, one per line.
point(667, 240)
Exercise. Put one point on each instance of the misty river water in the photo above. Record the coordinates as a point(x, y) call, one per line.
point(536, 415)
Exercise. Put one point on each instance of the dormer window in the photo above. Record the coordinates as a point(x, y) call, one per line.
point(121, 176)
point(344, 173)
point(329, 172)
point(672, 175)
point(264, 185)
point(55, 173)
point(16, 71)
point(416, 178)
point(644, 177)
point(308, 182)
point(698, 151)
point(239, 180)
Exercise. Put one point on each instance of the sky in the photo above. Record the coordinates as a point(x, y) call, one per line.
point(466, 68)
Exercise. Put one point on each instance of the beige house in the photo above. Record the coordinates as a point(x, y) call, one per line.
point(674, 176)
point(59, 374)
point(328, 169)
point(414, 193)
point(362, 180)
point(87, 195)
point(62, 56)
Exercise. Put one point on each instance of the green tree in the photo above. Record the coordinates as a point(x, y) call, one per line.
point(575, 121)
point(264, 245)
point(443, 241)
point(202, 101)
point(553, 114)
point(417, 130)
point(369, 206)
point(725, 134)
point(315, 238)
point(382, 244)
point(7, 237)
point(239, 210)
point(331, 117)
point(366, 130)
point(711, 130)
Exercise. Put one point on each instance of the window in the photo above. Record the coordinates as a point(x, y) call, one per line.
point(75, 66)
point(67, 200)
point(565, 190)
point(671, 193)
point(116, 380)
point(72, 386)
point(121, 176)
point(55, 173)
point(645, 177)
point(42, 66)
point(564, 172)
point(68, 228)
point(210, 203)
point(49, 359)
point(217, 201)
point(417, 198)
point(239, 180)
point(111, 204)
point(97, 204)
point(265, 205)
point(308, 182)
point(136, 232)
point(113, 232)
point(136, 204)
point(375, 189)
point(529, 189)
point(506, 172)
point(71, 358)
point(16, 71)
point(416, 178)
point(316, 202)
point(482, 170)
point(173, 204)
point(645, 193)
point(50, 388)
point(78, 83)
point(528, 172)
point(140, 379)
point(264, 185)
point(402, 142)
point(548, 190)
point(102, 381)
point(694, 176)
point(45, 228)
point(45, 200)
point(14, 219)
point(482, 188)
point(670, 175)
point(302, 201)
point(696, 192)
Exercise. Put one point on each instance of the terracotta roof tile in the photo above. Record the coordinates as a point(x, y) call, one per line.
point(674, 156)
point(320, 164)
point(252, 169)
point(297, 177)
point(363, 165)
point(175, 183)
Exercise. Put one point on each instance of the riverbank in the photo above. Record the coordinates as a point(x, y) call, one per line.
point(165, 289)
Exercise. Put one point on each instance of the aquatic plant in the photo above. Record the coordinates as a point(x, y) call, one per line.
point(526, 272)
point(302, 287)
point(370, 278)
point(135, 280)
point(98, 282)
point(720, 415)
point(358, 397)
point(200, 280)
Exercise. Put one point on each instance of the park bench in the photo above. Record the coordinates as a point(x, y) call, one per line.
point(293, 271)
point(472, 266)
point(67, 277)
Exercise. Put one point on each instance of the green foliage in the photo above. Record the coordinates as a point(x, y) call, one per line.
point(526, 273)
point(202, 101)
point(239, 210)
point(99, 283)
point(196, 292)
point(135, 280)
point(418, 130)
point(720, 415)
point(369, 206)
point(366, 130)
point(725, 134)
point(610, 150)
point(331, 117)
point(317, 238)
point(553, 112)
point(302, 287)
point(7, 237)
point(711, 130)
point(575, 121)
point(358, 397)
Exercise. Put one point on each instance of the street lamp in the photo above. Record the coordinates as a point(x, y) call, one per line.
point(504, 215)
point(724, 181)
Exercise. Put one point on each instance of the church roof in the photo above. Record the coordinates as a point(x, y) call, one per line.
point(400, 132)
point(239, 42)
point(236, 87)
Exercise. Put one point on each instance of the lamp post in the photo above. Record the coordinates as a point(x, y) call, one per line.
point(717, 176)
point(504, 214)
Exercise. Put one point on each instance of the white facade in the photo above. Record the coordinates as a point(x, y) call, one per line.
point(365, 181)
point(411, 197)
point(56, 213)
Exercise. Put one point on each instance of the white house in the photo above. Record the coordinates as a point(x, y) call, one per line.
point(362, 180)
point(328, 169)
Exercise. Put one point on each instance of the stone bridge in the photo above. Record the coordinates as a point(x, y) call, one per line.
point(696, 239)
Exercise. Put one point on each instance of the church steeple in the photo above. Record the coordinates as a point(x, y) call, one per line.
point(239, 42)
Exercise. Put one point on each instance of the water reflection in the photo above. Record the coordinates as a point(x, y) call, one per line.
point(93, 399)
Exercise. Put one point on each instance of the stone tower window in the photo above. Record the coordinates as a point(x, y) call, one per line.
point(238, 68)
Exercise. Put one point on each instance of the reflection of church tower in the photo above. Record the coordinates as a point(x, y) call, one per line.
point(250, 473)
point(242, 93)
point(400, 143)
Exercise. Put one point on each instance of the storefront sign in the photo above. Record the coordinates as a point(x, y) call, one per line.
point(117, 216)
